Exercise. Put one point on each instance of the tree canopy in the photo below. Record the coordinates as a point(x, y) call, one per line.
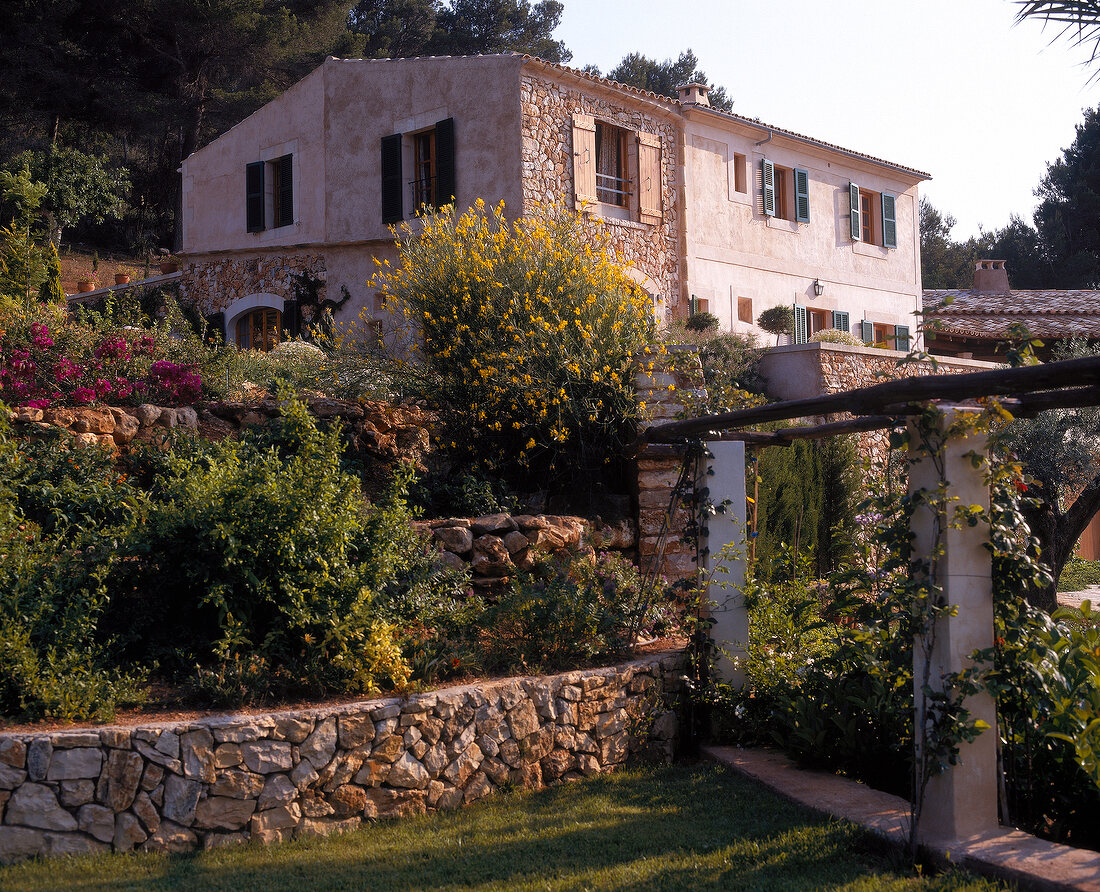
point(637, 70)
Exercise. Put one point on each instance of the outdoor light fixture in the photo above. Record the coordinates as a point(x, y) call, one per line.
point(819, 289)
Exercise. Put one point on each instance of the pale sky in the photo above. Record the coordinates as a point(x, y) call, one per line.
point(949, 87)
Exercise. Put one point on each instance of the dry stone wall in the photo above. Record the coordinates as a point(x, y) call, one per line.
point(213, 282)
point(496, 546)
point(229, 779)
point(547, 158)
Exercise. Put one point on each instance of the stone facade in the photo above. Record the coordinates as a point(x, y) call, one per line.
point(495, 546)
point(213, 283)
point(547, 157)
point(229, 779)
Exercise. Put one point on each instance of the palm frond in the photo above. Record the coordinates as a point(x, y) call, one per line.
point(1076, 20)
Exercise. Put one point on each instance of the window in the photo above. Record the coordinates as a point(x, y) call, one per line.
point(786, 192)
point(881, 334)
point(819, 320)
point(739, 173)
point(429, 155)
point(744, 309)
point(423, 170)
point(612, 182)
point(259, 329)
point(873, 217)
point(617, 172)
point(269, 194)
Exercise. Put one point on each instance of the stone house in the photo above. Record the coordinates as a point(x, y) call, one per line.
point(284, 214)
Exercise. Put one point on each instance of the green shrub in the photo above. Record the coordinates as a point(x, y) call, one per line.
point(261, 555)
point(55, 660)
point(701, 322)
point(836, 336)
point(560, 616)
point(523, 336)
point(1078, 574)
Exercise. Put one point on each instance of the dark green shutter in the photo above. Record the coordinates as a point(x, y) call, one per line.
point(286, 190)
point(867, 332)
point(444, 162)
point(801, 325)
point(393, 210)
point(853, 203)
point(767, 185)
point(254, 195)
point(901, 338)
point(840, 320)
point(889, 221)
point(801, 196)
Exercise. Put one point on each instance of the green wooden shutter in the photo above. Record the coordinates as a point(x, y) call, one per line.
point(889, 221)
point(444, 162)
point(801, 196)
point(254, 195)
point(393, 210)
point(767, 184)
point(286, 190)
point(853, 203)
point(867, 332)
point(801, 326)
point(840, 320)
point(901, 337)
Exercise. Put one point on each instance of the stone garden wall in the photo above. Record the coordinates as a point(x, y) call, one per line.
point(270, 777)
point(496, 546)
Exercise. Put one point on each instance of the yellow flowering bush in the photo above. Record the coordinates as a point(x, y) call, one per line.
point(523, 336)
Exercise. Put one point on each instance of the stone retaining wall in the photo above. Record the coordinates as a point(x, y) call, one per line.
point(495, 546)
point(227, 779)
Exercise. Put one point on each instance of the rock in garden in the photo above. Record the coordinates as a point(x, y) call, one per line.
point(458, 540)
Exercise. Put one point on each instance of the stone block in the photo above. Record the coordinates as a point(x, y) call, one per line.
point(97, 821)
point(197, 755)
point(227, 755)
point(223, 813)
point(35, 805)
point(237, 784)
point(283, 817)
point(75, 793)
point(128, 833)
point(278, 790)
point(13, 752)
point(383, 803)
point(347, 800)
point(292, 728)
point(181, 796)
point(267, 756)
point(408, 773)
point(39, 754)
point(320, 746)
point(523, 720)
point(147, 812)
point(171, 838)
point(10, 778)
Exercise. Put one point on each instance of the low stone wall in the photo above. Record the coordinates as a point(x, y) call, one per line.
point(496, 546)
point(228, 779)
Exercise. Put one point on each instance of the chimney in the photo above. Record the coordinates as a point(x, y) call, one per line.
point(694, 94)
point(990, 275)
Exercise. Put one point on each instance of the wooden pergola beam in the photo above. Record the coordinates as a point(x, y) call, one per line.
point(1081, 375)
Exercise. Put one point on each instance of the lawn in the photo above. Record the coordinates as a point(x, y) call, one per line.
point(684, 827)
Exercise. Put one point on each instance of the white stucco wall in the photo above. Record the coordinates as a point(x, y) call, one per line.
point(733, 250)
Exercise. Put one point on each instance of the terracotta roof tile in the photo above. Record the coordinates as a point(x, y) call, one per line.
point(1047, 313)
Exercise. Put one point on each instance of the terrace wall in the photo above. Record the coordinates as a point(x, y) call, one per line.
point(232, 778)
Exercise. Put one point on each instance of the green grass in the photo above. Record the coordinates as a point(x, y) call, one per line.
point(694, 827)
point(1078, 575)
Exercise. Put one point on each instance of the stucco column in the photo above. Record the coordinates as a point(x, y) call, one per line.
point(725, 572)
point(961, 801)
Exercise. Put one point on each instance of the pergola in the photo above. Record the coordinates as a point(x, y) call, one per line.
point(962, 801)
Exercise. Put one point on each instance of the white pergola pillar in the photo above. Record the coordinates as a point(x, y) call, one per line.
point(725, 573)
point(961, 801)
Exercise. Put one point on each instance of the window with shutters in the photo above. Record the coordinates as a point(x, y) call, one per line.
point(873, 217)
point(617, 172)
point(819, 320)
point(785, 192)
point(428, 157)
point(259, 329)
point(883, 334)
point(269, 194)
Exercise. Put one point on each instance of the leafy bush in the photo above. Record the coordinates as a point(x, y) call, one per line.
point(560, 616)
point(1078, 575)
point(261, 556)
point(55, 662)
point(836, 336)
point(701, 322)
point(523, 336)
